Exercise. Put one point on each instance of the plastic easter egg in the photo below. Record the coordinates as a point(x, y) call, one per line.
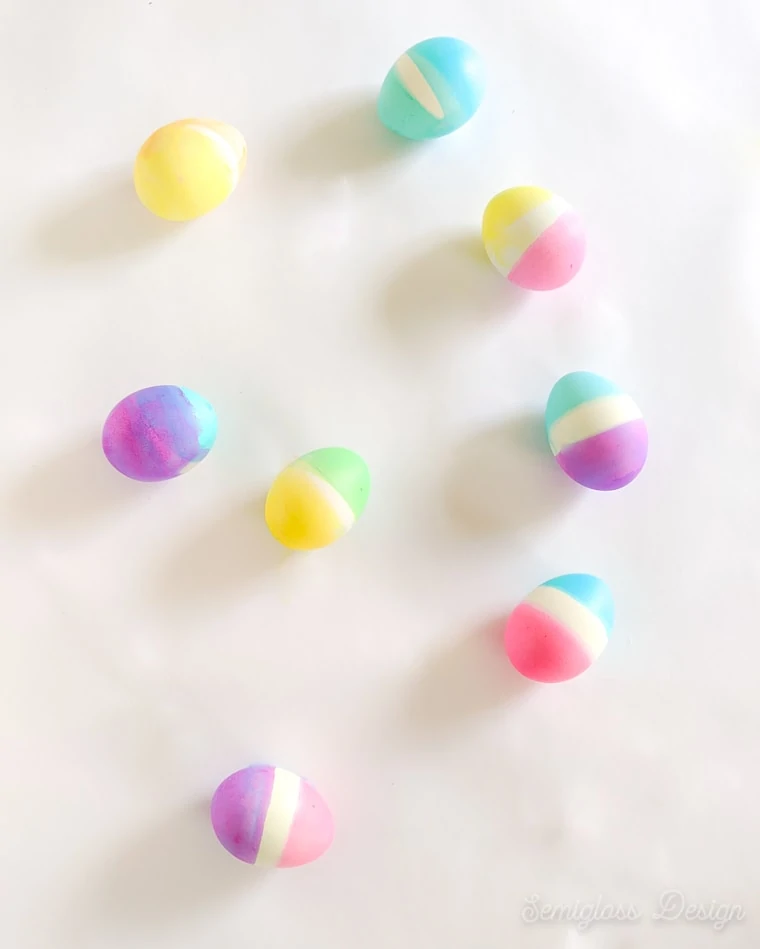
point(533, 238)
point(560, 628)
point(317, 498)
point(188, 168)
point(271, 817)
point(595, 431)
point(158, 433)
point(432, 89)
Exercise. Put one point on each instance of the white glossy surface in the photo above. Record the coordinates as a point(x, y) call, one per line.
point(156, 638)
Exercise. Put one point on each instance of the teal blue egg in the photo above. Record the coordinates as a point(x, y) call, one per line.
point(432, 89)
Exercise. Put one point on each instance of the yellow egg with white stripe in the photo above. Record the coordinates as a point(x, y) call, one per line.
point(188, 168)
point(533, 237)
point(317, 498)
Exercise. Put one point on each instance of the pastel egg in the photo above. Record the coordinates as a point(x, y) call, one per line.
point(432, 89)
point(560, 628)
point(595, 431)
point(188, 168)
point(158, 433)
point(533, 237)
point(271, 817)
point(317, 498)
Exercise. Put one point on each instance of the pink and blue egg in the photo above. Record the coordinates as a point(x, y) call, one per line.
point(159, 433)
point(560, 628)
point(271, 817)
point(596, 431)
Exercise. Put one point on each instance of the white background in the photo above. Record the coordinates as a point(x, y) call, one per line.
point(155, 638)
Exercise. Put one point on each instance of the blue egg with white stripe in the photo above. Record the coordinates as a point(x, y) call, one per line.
point(596, 431)
point(432, 89)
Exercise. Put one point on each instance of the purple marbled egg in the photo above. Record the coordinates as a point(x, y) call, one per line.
point(158, 433)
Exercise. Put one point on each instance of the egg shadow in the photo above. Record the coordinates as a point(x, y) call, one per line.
point(346, 137)
point(105, 219)
point(452, 280)
point(504, 479)
point(173, 868)
point(468, 676)
point(70, 490)
point(220, 557)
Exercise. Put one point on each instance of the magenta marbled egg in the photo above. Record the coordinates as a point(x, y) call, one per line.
point(158, 433)
point(271, 817)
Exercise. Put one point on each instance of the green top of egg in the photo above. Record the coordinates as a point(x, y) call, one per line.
point(346, 471)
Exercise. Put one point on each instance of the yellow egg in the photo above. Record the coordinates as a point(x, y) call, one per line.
point(317, 498)
point(188, 168)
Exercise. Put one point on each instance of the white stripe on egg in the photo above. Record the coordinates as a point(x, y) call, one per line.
point(573, 615)
point(517, 237)
point(286, 790)
point(592, 418)
point(417, 86)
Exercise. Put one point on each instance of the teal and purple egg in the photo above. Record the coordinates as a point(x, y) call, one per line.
point(432, 89)
point(159, 433)
point(596, 431)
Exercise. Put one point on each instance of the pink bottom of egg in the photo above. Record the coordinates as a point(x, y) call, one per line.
point(554, 258)
point(312, 830)
point(542, 649)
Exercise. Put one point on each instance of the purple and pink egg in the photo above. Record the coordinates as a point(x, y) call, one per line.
point(596, 431)
point(271, 817)
point(159, 433)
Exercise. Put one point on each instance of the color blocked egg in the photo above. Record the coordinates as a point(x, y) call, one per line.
point(432, 89)
point(595, 431)
point(188, 168)
point(560, 628)
point(158, 433)
point(533, 237)
point(271, 817)
point(317, 498)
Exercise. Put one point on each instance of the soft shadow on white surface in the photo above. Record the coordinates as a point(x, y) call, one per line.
point(223, 556)
point(70, 490)
point(102, 219)
point(346, 138)
point(504, 478)
point(467, 676)
point(174, 868)
point(450, 281)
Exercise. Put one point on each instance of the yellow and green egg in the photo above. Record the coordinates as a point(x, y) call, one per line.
point(317, 498)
